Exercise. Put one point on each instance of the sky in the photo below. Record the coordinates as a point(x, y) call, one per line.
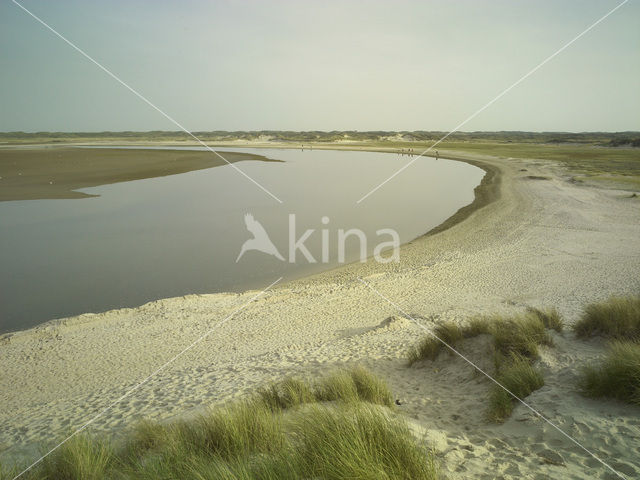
point(330, 65)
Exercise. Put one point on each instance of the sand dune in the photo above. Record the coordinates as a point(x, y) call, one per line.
point(544, 242)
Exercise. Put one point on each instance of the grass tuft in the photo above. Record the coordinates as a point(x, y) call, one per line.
point(352, 385)
point(365, 442)
point(515, 346)
point(449, 332)
point(618, 317)
point(9, 473)
point(337, 386)
point(289, 393)
point(429, 347)
point(230, 432)
point(520, 335)
point(262, 438)
point(370, 388)
point(519, 377)
point(477, 326)
point(146, 436)
point(549, 317)
point(82, 457)
point(617, 375)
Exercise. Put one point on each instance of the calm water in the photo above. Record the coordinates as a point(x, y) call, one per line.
point(176, 235)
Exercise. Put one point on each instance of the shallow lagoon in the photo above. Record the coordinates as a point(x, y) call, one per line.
point(170, 236)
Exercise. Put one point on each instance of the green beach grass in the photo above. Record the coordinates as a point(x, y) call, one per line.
point(518, 376)
point(353, 385)
point(617, 375)
point(515, 347)
point(520, 335)
point(617, 317)
point(337, 427)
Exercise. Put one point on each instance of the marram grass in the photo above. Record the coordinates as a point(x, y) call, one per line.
point(515, 347)
point(450, 333)
point(518, 376)
point(617, 317)
point(335, 428)
point(353, 385)
point(520, 334)
point(617, 375)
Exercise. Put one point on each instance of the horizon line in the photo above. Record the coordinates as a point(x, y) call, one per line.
point(39, 132)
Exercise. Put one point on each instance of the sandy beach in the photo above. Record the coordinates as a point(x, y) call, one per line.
point(539, 240)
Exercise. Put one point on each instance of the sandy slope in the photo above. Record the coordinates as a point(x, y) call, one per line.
point(542, 243)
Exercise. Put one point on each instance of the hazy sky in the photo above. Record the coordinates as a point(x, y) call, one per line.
point(302, 65)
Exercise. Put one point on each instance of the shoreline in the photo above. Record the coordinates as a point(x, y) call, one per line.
point(486, 192)
point(539, 243)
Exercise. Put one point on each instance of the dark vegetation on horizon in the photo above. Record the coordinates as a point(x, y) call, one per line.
point(605, 139)
point(588, 154)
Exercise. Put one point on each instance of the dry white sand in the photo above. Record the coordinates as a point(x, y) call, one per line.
point(542, 243)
